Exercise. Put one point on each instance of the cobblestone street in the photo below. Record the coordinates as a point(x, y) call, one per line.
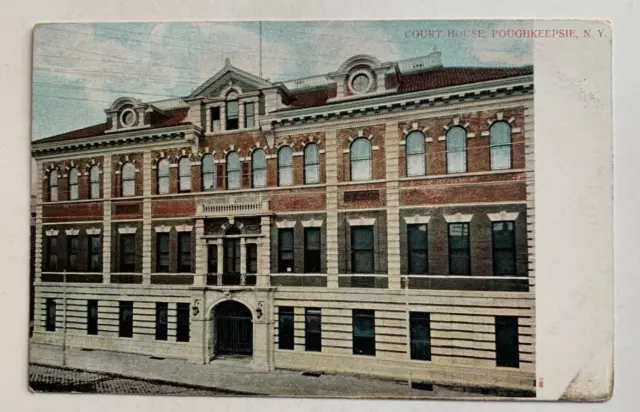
point(52, 379)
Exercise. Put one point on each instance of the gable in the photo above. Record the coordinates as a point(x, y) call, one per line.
point(229, 75)
point(228, 79)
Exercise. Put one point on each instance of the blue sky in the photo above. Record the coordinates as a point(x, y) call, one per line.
point(79, 69)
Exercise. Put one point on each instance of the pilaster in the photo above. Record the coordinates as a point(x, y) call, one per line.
point(264, 265)
point(392, 145)
point(38, 224)
point(331, 170)
point(106, 220)
point(201, 254)
point(146, 218)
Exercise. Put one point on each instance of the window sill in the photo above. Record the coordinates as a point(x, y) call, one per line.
point(462, 174)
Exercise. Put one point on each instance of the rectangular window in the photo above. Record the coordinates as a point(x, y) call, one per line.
point(95, 253)
point(162, 328)
point(420, 334)
point(50, 315)
point(507, 353)
point(313, 330)
point(52, 253)
point(249, 115)
point(182, 327)
point(232, 115)
point(184, 252)
point(162, 252)
point(364, 332)
point(92, 317)
point(417, 246)
point(285, 250)
point(504, 248)
point(252, 258)
point(215, 119)
point(285, 327)
point(312, 247)
point(212, 259)
point(125, 327)
point(362, 253)
point(72, 253)
point(459, 249)
point(128, 253)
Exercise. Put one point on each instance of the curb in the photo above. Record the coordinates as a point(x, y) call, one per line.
point(229, 392)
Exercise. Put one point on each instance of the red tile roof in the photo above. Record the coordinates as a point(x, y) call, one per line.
point(413, 82)
point(406, 83)
point(175, 117)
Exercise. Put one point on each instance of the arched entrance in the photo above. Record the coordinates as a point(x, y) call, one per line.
point(233, 329)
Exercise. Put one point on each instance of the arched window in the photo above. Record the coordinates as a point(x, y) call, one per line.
point(128, 179)
point(163, 177)
point(233, 170)
point(258, 167)
point(208, 173)
point(311, 164)
point(73, 184)
point(285, 166)
point(53, 186)
point(184, 171)
point(94, 181)
point(415, 146)
point(500, 142)
point(360, 153)
point(456, 150)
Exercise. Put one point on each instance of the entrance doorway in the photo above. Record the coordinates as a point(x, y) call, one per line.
point(233, 329)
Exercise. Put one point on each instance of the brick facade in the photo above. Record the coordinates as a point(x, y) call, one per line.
point(242, 227)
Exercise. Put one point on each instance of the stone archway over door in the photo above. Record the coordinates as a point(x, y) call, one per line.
point(233, 326)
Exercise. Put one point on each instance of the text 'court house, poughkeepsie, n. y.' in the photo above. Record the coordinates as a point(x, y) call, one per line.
point(374, 220)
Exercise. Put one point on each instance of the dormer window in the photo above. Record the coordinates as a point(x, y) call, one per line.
point(232, 112)
point(128, 116)
point(361, 82)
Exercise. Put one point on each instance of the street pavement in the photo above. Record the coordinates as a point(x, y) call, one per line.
point(55, 379)
point(233, 376)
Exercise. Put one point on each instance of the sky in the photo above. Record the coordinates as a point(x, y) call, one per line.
point(80, 69)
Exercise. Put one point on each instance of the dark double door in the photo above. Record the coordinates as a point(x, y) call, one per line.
point(234, 329)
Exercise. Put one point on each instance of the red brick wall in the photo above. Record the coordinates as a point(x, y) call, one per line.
point(297, 200)
point(478, 147)
point(70, 212)
point(509, 191)
point(362, 196)
point(126, 210)
point(83, 165)
point(173, 207)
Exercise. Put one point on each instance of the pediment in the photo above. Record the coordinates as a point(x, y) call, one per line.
point(227, 78)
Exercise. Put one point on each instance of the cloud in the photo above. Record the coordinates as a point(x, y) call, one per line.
point(503, 58)
point(504, 51)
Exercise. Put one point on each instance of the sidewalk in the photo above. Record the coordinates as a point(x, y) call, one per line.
point(232, 375)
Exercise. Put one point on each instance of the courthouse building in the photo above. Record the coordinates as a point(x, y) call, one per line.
point(374, 220)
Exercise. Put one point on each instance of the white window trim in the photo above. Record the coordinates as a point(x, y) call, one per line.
point(72, 232)
point(51, 232)
point(162, 229)
point(502, 216)
point(458, 218)
point(285, 224)
point(417, 219)
point(312, 223)
point(184, 228)
point(362, 221)
point(127, 230)
point(93, 231)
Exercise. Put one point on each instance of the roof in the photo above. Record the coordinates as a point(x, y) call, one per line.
point(429, 79)
point(175, 118)
point(417, 81)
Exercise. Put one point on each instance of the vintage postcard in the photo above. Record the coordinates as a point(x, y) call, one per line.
point(323, 209)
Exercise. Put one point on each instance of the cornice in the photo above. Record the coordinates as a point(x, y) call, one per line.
point(106, 141)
